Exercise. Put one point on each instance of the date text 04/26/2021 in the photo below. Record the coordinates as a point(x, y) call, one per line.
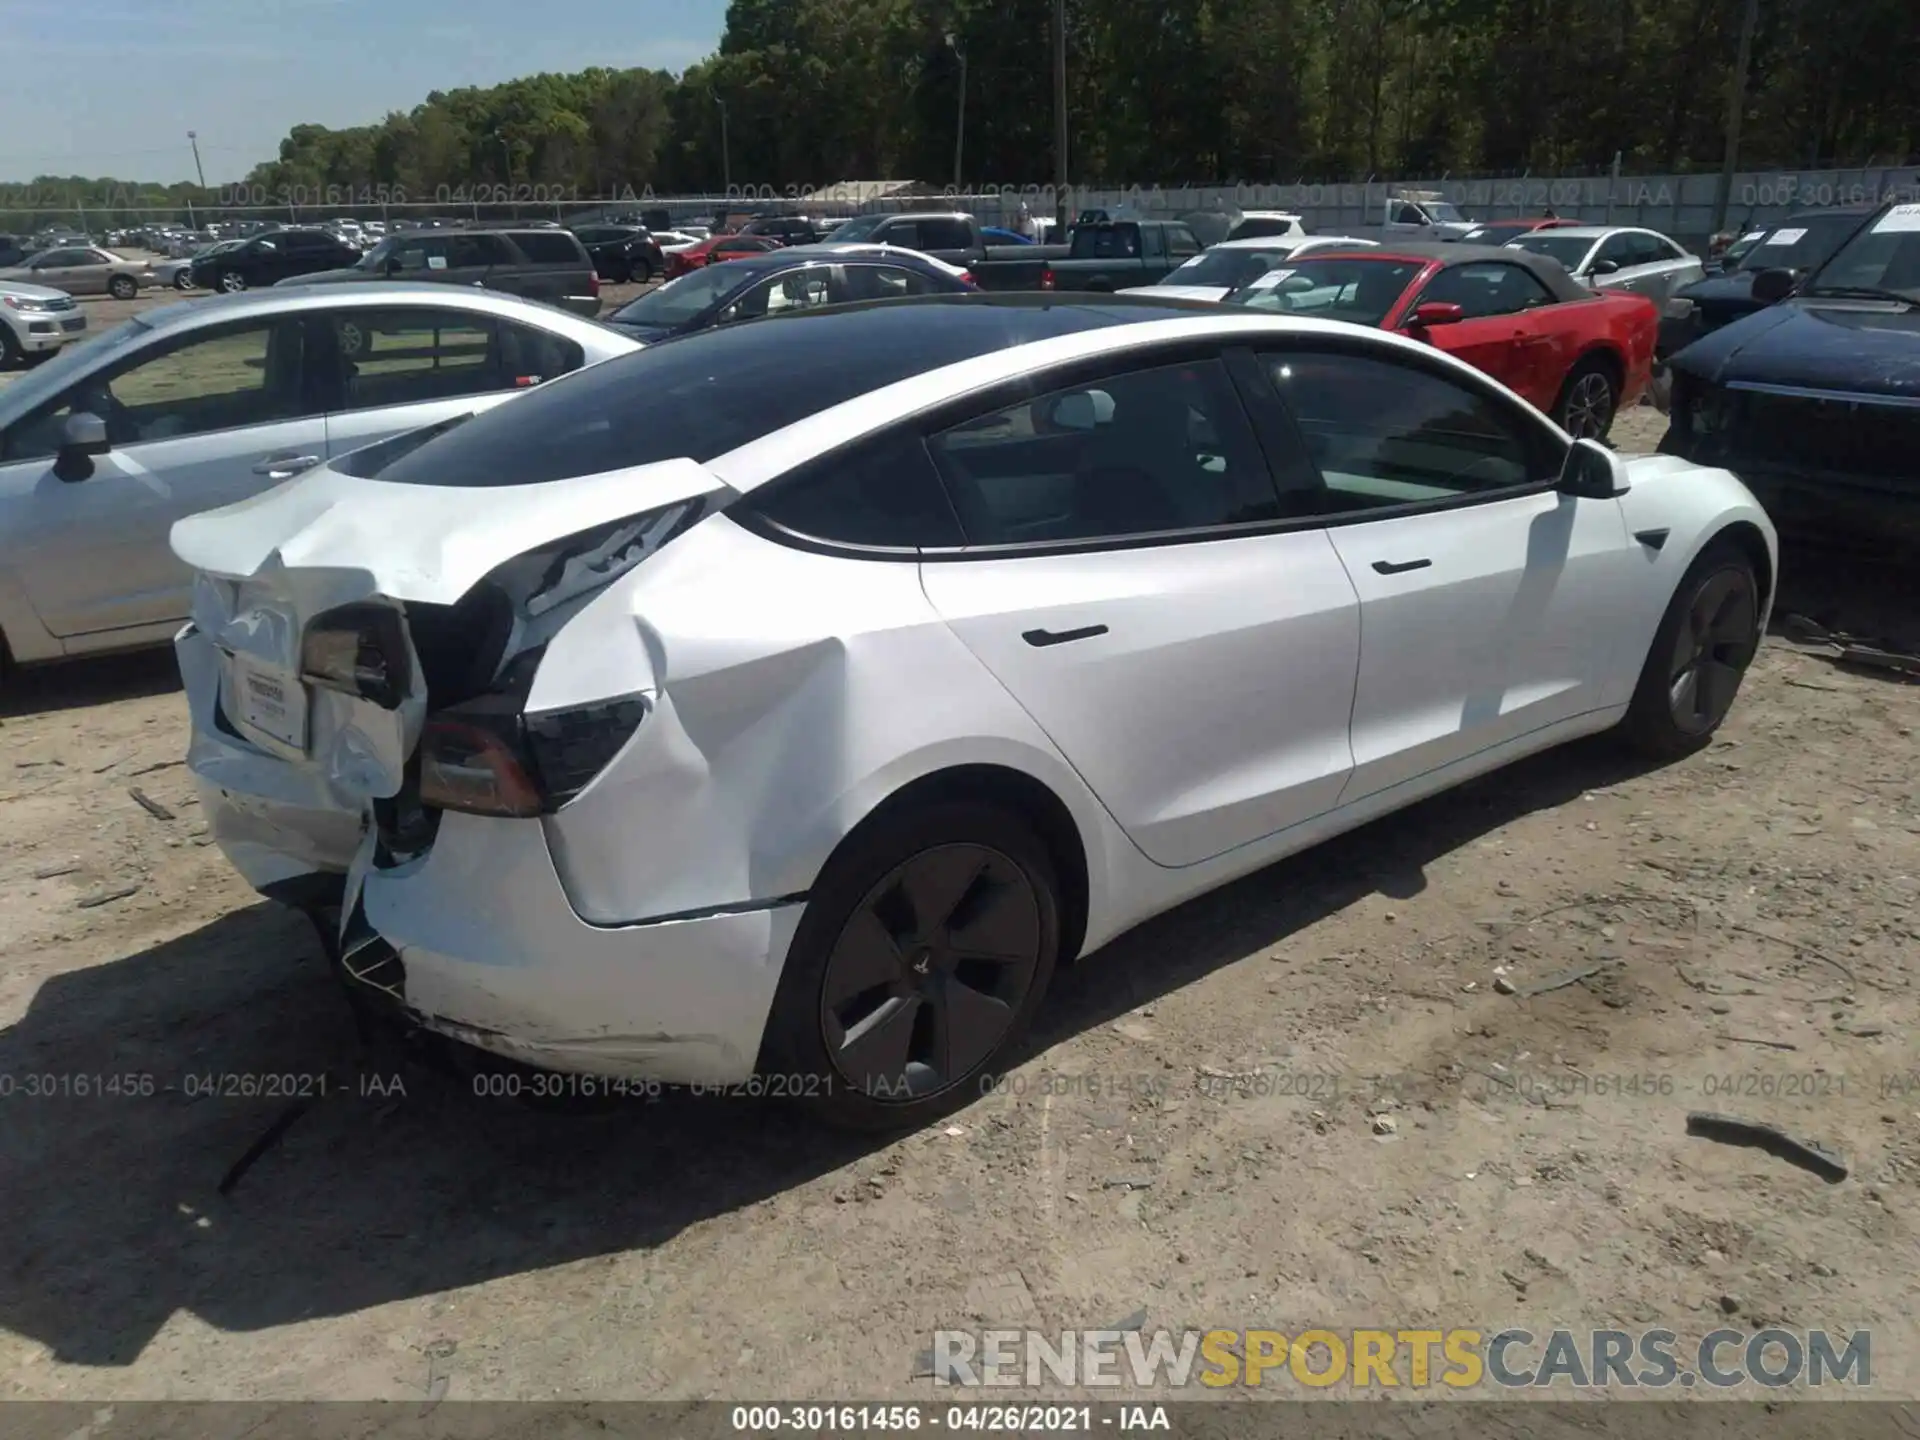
point(1008, 1419)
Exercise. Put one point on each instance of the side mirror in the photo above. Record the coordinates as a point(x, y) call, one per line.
point(1604, 267)
point(1771, 286)
point(1436, 312)
point(83, 435)
point(1593, 472)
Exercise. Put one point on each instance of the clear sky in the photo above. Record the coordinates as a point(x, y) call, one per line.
point(111, 87)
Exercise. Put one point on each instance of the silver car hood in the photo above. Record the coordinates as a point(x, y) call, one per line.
point(26, 291)
point(426, 543)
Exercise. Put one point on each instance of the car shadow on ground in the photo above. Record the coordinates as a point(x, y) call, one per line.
point(79, 684)
point(115, 1217)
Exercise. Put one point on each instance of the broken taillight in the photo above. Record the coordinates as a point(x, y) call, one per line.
point(1046, 278)
point(487, 758)
point(965, 277)
point(359, 650)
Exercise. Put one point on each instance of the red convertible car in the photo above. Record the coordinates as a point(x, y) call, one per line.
point(1575, 353)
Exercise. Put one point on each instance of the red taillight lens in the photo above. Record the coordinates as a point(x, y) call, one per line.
point(965, 277)
point(1046, 278)
point(487, 758)
point(593, 283)
point(472, 763)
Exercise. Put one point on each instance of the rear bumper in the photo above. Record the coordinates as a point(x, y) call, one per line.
point(491, 953)
point(275, 823)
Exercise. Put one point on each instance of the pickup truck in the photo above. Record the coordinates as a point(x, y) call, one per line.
point(955, 237)
point(1421, 215)
point(1121, 254)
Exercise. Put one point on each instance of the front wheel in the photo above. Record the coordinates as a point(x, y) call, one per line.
point(232, 281)
point(926, 947)
point(183, 281)
point(1700, 653)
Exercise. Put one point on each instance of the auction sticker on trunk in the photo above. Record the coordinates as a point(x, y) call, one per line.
point(267, 702)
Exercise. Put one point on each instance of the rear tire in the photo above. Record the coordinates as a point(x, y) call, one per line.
point(10, 352)
point(123, 287)
point(925, 950)
point(183, 281)
point(640, 274)
point(1700, 653)
point(1588, 400)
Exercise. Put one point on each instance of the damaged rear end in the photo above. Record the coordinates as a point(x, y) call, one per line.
point(360, 656)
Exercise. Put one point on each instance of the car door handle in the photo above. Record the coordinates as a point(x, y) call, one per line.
point(284, 467)
point(1042, 638)
point(1391, 567)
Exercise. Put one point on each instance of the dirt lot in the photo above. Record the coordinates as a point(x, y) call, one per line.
point(1301, 1101)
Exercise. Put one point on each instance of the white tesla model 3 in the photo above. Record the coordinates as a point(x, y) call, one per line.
point(790, 699)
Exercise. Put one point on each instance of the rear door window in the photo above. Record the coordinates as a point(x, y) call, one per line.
point(1106, 242)
point(549, 247)
point(388, 356)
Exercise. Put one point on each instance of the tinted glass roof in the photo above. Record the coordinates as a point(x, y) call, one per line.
point(716, 390)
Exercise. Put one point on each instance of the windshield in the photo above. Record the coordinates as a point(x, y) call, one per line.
point(1799, 244)
point(858, 228)
point(1229, 269)
point(1885, 255)
point(47, 378)
point(678, 301)
point(1361, 291)
point(1569, 250)
point(1445, 213)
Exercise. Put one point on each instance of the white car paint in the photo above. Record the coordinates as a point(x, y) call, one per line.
point(1231, 714)
point(1276, 250)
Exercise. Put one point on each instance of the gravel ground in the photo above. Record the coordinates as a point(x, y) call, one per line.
point(1301, 1101)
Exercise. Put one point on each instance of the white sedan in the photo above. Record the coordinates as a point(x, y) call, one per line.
point(715, 711)
point(1219, 270)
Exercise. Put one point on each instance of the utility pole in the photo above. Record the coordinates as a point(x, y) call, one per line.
point(726, 153)
point(1060, 117)
point(960, 125)
point(1736, 106)
point(193, 139)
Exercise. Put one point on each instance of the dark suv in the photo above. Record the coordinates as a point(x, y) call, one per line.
point(547, 265)
point(622, 253)
point(270, 257)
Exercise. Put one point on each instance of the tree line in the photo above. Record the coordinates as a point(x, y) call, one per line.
point(1159, 92)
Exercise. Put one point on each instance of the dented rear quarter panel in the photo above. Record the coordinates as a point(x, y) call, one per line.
point(793, 693)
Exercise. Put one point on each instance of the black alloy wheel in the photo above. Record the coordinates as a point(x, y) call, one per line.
point(930, 971)
point(1712, 649)
point(1700, 653)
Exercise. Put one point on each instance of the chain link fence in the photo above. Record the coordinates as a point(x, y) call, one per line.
point(1680, 205)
